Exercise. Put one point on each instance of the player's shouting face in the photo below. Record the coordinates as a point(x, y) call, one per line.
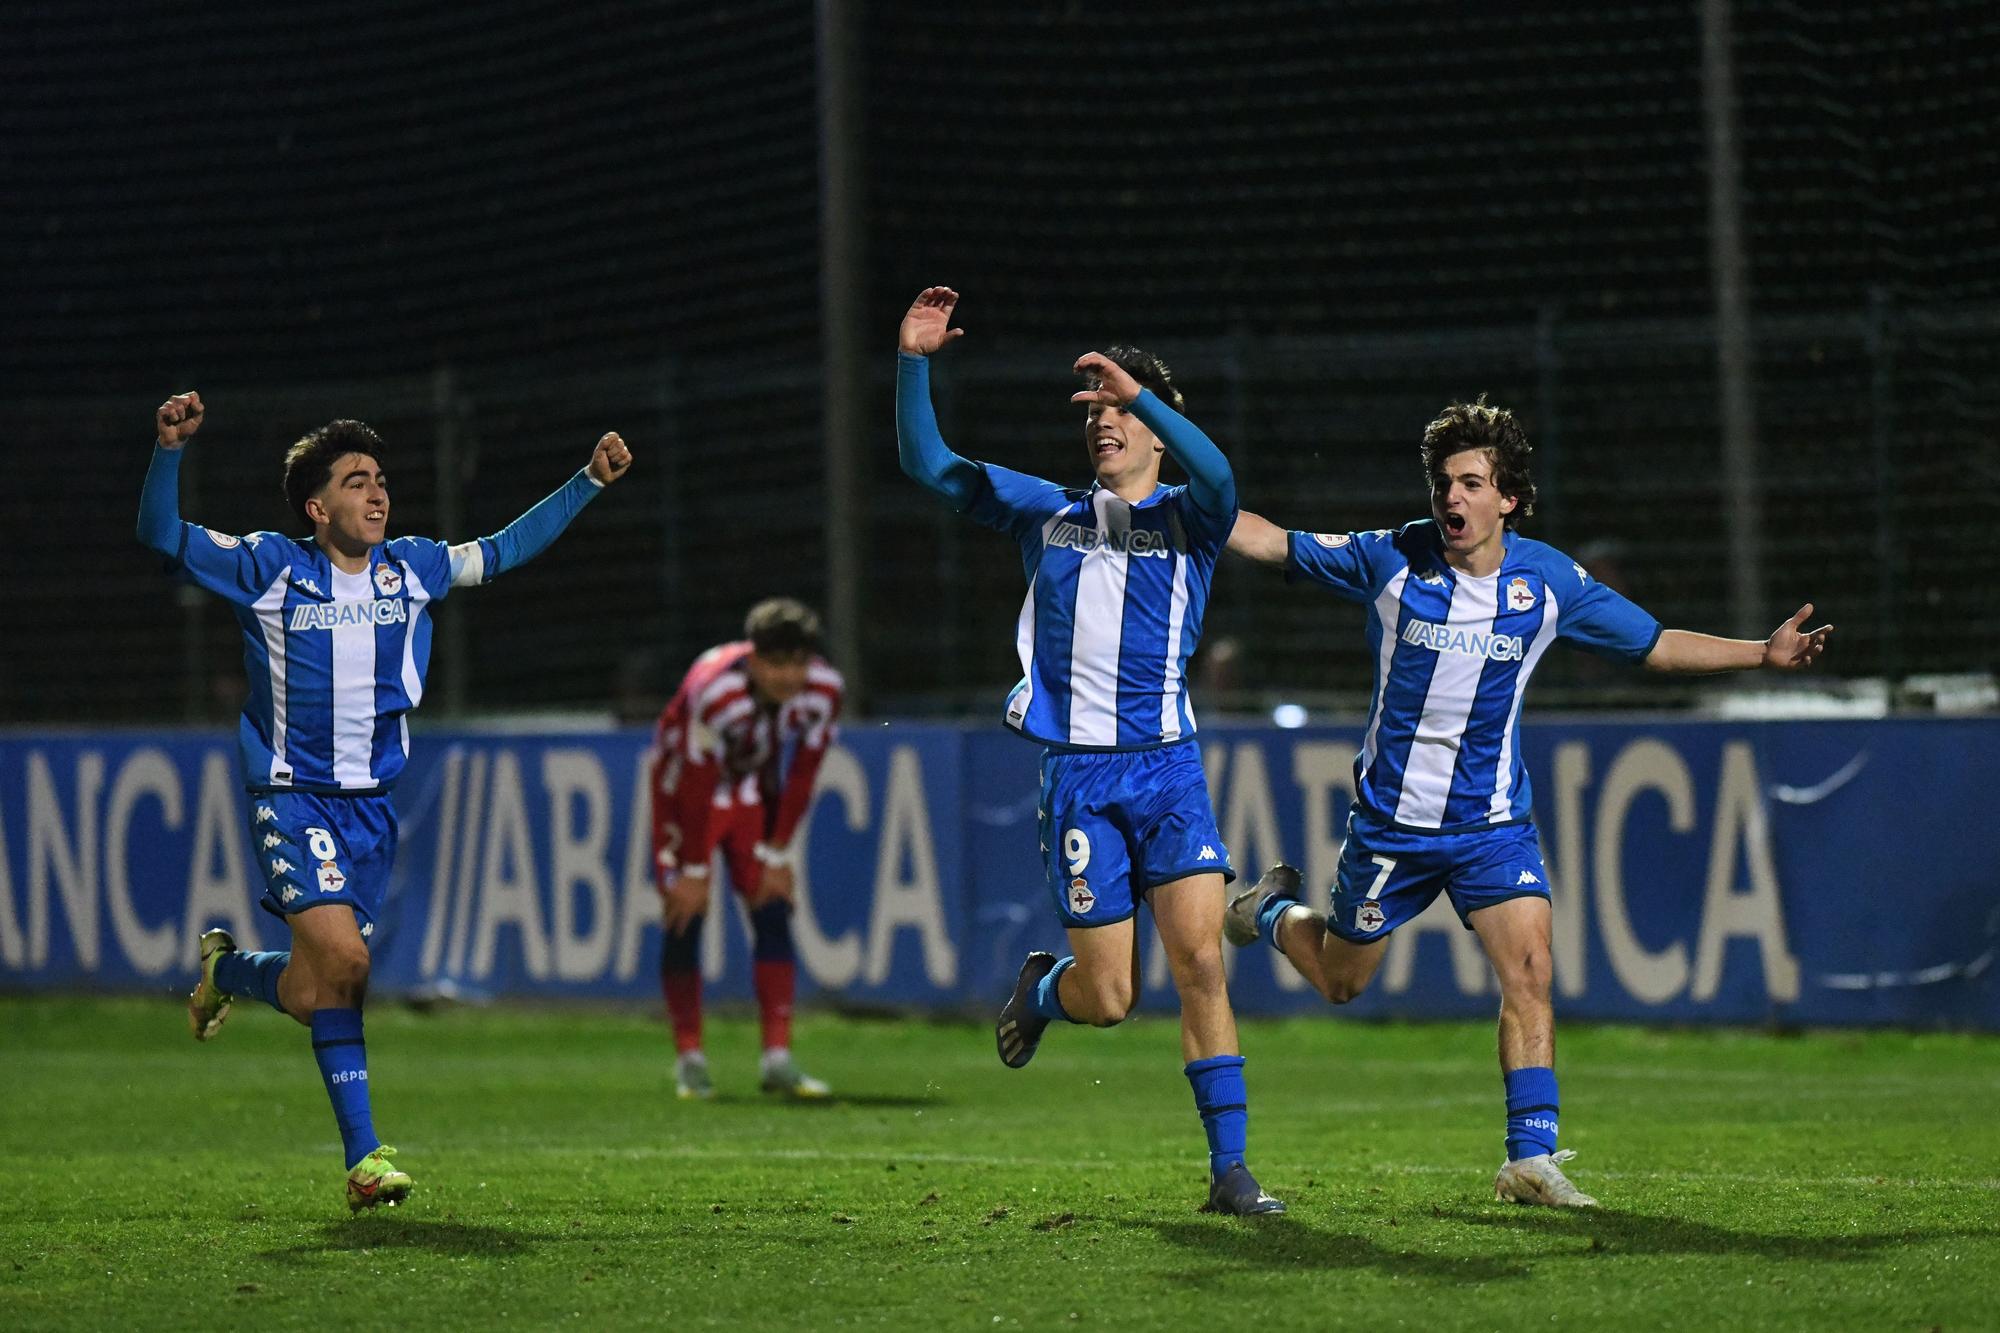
point(1122, 447)
point(1469, 508)
point(354, 504)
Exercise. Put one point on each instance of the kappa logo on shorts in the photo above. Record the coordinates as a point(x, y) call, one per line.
point(388, 580)
point(1370, 917)
point(279, 865)
point(1527, 877)
point(266, 815)
point(291, 894)
point(272, 841)
point(1333, 541)
point(330, 878)
point(1520, 597)
point(1081, 899)
point(1207, 854)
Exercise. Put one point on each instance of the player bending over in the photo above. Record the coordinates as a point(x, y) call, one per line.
point(1118, 577)
point(1460, 609)
point(335, 643)
point(721, 779)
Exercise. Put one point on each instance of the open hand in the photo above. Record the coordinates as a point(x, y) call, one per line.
point(610, 459)
point(685, 897)
point(774, 885)
point(927, 325)
point(178, 419)
point(1115, 385)
point(1791, 648)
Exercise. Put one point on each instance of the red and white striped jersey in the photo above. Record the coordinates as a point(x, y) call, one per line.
point(717, 747)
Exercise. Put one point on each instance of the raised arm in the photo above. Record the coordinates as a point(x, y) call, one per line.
point(528, 536)
point(1790, 648)
point(1210, 480)
point(926, 458)
point(1257, 538)
point(174, 424)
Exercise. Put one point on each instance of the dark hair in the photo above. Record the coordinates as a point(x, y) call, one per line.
point(1149, 370)
point(309, 463)
point(1463, 426)
point(782, 625)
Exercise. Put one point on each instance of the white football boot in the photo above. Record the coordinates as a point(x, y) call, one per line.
point(1539, 1179)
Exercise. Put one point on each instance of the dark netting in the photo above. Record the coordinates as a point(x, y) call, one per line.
point(495, 238)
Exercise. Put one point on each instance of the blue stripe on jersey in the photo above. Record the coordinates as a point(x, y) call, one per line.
point(308, 693)
point(1472, 779)
point(1054, 598)
point(1409, 683)
point(1142, 645)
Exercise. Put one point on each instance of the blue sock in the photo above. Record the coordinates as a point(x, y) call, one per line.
point(343, 1063)
point(1225, 1113)
point(1531, 1112)
point(252, 974)
point(1267, 918)
point(1048, 1002)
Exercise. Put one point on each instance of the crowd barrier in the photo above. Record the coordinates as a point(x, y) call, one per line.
point(1819, 872)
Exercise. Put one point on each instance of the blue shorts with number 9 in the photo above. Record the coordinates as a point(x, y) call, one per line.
point(1388, 876)
point(1117, 824)
point(313, 850)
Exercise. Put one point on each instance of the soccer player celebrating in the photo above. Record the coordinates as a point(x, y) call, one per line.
point(1118, 578)
point(721, 779)
point(1460, 609)
point(336, 641)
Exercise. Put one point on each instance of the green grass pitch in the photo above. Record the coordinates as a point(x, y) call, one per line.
point(1818, 1182)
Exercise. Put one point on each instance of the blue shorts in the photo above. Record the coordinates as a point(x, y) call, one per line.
point(1117, 824)
point(1388, 876)
point(313, 849)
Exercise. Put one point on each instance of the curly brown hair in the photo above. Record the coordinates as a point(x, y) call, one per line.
point(309, 462)
point(1463, 426)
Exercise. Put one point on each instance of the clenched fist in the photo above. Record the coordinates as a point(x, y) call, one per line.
point(178, 419)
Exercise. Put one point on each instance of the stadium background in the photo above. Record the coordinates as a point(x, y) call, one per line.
point(494, 240)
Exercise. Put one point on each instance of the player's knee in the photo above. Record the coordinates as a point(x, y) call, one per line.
point(1527, 977)
point(343, 978)
point(1108, 1000)
point(1198, 970)
point(1340, 990)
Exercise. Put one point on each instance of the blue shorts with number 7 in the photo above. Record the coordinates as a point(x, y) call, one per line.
point(1388, 876)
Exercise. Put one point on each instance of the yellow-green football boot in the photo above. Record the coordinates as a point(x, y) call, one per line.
point(376, 1180)
point(208, 1006)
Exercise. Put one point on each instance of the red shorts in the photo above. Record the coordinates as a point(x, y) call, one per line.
point(738, 829)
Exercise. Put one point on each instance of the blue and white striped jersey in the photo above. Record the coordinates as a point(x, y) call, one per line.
point(1452, 658)
point(1116, 593)
point(334, 660)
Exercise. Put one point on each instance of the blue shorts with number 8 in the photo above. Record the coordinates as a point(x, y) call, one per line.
point(1118, 824)
point(313, 850)
point(1388, 876)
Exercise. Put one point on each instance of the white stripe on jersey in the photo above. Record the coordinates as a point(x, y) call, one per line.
point(1389, 615)
point(1024, 638)
point(419, 595)
point(1502, 808)
point(1170, 690)
point(1448, 704)
point(353, 686)
point(270, 609)
point(1097, 631)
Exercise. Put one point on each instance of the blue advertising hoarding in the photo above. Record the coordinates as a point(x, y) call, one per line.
point(1813, 872)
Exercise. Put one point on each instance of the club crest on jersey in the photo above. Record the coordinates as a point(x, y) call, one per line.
point(1370, 917)
point(330, 878)
point(1081, 899)
point(222, 539)
point(388, 580)
point(1333, 541)
point(1520, 597)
